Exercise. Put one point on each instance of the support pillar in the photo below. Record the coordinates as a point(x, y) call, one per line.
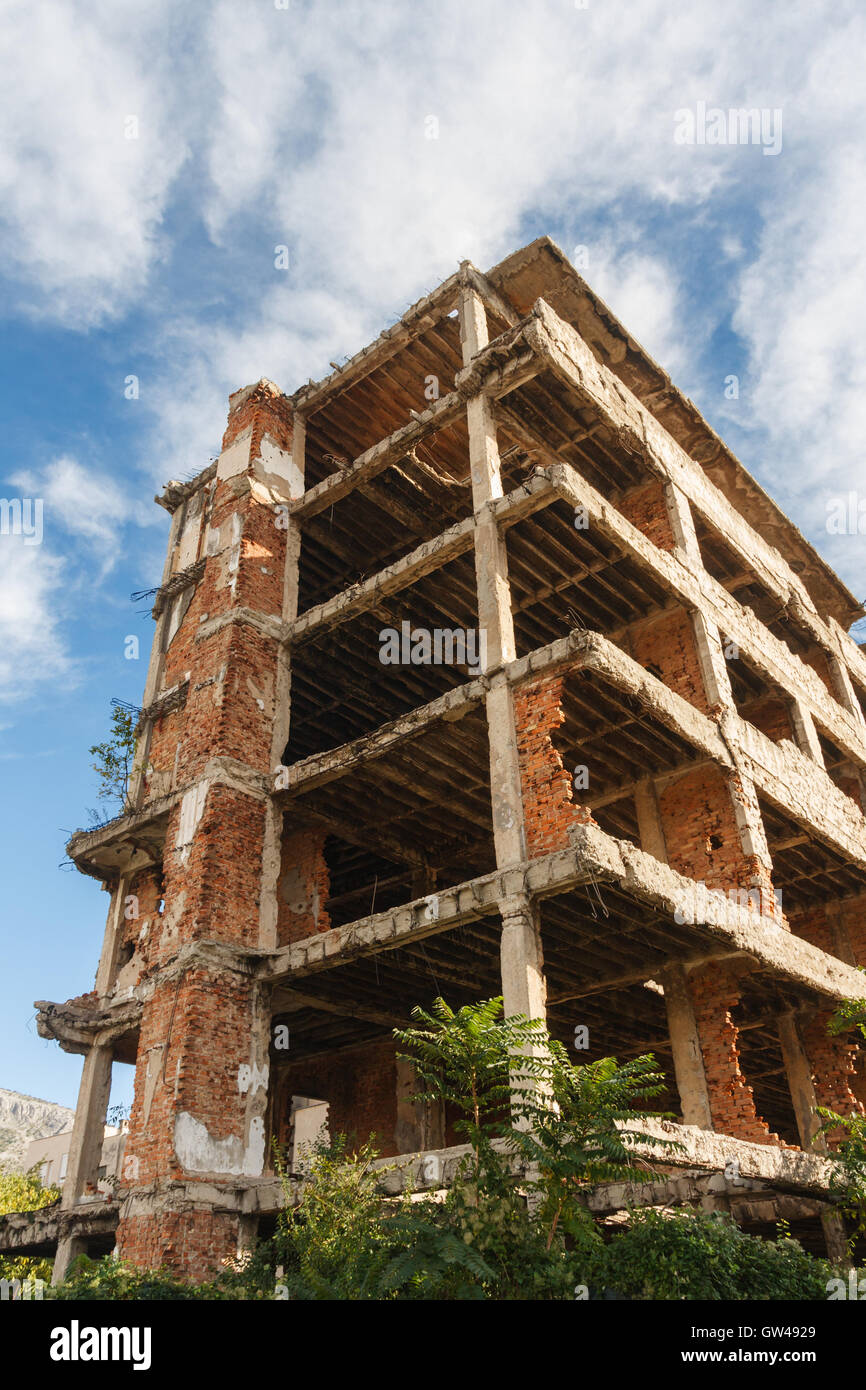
point(524, 988)
point(85, 1147)
point(652, 835)
point(799, 1074)
point(686, 1047)
point(420, 1125)
point(805, 733)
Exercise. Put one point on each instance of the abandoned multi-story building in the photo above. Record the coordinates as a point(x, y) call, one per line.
point(481, 667)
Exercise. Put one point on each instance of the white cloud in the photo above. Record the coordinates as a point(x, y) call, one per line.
point(308, 126)
point(32, 646)
point(642, 291)
point(90, 507)
point(80, 202)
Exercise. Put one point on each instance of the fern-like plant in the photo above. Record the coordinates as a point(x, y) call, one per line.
point(580, 1126)
point(469, 1059)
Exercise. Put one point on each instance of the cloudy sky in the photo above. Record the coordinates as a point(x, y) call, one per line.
point(153, 157)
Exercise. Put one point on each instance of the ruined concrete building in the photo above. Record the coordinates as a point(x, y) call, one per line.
point(481, 666)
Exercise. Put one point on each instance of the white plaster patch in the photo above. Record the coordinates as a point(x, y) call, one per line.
point(191, 809)
point(236, 457)
point(276, 460)
point(431, 909)
point(235, 552)
point(252, 1076)
point(197, 1152)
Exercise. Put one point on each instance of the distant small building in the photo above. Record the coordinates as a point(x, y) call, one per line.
point(52, 1155)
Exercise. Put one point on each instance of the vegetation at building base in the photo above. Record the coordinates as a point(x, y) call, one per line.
point(25, 1192)
point(514, 1224)
point(849, 1131)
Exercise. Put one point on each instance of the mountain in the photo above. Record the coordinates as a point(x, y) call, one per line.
point(23, 1118)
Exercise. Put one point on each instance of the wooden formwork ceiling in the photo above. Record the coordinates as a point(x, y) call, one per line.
point(805, 869)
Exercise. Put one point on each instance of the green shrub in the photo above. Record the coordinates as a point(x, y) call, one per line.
point(703, 1256)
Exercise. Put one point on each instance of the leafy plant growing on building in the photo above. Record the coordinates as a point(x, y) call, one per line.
point(115, 756)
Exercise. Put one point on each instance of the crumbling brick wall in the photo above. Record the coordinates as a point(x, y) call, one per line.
point(548, 801)
point(771, 716)
point(645, 507)
point(359, 1084)
point(195, 1243)
point(667, 648)
point(715, 994)
point(702, 836)
point(304, 886)
point(833, 1063)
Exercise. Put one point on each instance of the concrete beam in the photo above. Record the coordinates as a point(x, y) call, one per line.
point(594, 856)
point(421, 315)
point(776, 662)
point(320, 768)
point(496, 369)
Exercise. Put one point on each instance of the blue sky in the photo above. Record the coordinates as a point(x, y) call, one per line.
point(155, 155)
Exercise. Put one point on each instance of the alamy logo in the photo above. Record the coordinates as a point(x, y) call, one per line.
point(837, 1289)
point(22, 516)
point(17, 1290)
point(846, 516)
point(76, 1343)
point(444, 646)
point(737, 126)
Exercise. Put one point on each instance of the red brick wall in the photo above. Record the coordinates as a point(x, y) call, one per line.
point(230, 704)
point(715, 993)
point(815, 658)
point(304, 886)
point(214, 891)
point(265, 410)
point(194, 1036)
point(832, 1062)
point(771, 717)
point(548, 803)
point(669, 646)
point(854, 917)
point(197, 1029)
point(701, 832)
point(360, 1086)
point(645, 508)
point(191, 1243)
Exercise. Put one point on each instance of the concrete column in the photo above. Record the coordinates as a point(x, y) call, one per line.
point(494, 603)
point(805, 733)
point(68, 1248)
point(509, 833)
point(652, 835)
point(686, 1046)
point(799, 1074)
point(800, 1084)
point(89, 1126)
point(711, 659)
point(843, 687)
point(750, 823)
point(473, 323)
point(107, 968)
point(85, 1146)
point(135, 792)
point(273, 830)
point(524, 988)
point(683, 525)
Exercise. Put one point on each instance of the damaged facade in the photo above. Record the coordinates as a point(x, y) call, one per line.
point(642, 816)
